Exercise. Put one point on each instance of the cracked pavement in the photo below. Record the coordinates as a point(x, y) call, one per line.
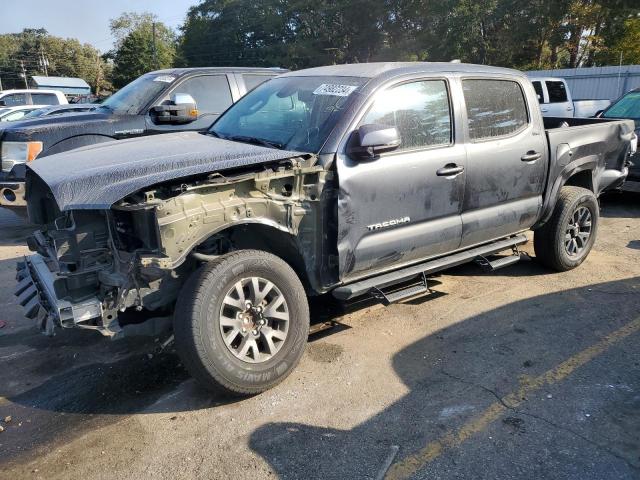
point(502, 375)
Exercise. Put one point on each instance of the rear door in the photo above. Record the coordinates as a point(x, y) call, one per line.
point(397, 209)
point(506, 160)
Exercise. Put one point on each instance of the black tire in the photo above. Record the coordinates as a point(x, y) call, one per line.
point(198, 337)
point(549, 240)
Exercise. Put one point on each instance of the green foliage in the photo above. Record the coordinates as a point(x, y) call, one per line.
point(142, 45)
point(64, 57)
point(304, 33)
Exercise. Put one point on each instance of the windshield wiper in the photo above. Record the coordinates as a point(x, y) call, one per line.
point(255, 141)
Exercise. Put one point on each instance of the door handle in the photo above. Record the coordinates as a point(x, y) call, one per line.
point(544, 110)
point(449, 170)
point(569, 108)
point(530, 156)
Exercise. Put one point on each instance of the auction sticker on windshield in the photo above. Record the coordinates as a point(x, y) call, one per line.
point(334, 90)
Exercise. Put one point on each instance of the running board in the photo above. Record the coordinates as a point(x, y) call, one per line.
point(379, 282)
point(489, 265)
point(392, 296)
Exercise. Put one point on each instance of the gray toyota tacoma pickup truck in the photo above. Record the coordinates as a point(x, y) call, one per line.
point(348, 180)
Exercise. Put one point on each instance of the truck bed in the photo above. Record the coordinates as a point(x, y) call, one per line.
point(596, 146)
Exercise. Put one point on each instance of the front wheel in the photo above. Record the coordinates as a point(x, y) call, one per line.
point(566, 239)
point(241, 322)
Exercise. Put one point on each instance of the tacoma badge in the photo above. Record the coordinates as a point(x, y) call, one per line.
point(388, 223)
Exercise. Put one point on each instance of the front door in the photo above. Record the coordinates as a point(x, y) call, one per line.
point(404, 205)
point(506, 161)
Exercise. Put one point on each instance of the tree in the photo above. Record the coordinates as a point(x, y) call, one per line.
point(42, 53)
point(142, 45)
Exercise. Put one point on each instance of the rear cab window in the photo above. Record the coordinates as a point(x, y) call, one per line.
point(211, 92)
point(252, 80)
point(44, 99)
point(557, 91)
point(420, 111)
point(495, 108)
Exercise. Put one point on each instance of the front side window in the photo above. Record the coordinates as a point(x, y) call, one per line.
point(14, 99)
point(557, 91)
point(494, 108)
point(44, 99)
point(211, 92)
point(419, 111)
point(292, 113)
point(537, 86)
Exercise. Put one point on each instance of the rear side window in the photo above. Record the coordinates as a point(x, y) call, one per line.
point(14, 99)
point(494, 108)
point(557, 91)
point(538, 88)
point(211, 92)
point(252, 81)
point(419, 110)
point(44, 99)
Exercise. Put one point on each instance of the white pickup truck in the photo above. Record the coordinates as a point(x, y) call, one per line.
point(555, 99)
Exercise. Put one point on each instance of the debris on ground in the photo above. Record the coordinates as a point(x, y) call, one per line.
point(7, 419)
point(3, 324)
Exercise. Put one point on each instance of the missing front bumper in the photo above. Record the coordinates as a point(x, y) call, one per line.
point(36, 294)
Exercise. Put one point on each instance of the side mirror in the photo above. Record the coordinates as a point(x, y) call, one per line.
point(597, 114)
point(2, 104)
point(539, 97)
point(368, 141)
point(180, 109)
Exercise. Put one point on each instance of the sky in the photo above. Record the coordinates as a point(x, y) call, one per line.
point(86, 20)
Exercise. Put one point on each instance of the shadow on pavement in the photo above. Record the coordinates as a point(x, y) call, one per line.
point(477, 361)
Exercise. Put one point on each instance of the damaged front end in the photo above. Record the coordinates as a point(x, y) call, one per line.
point(85, 271)
point(105, 269)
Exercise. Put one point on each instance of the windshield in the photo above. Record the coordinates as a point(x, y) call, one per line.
point(36, 113)
point(627, 107)
point(291, 113)
point(131, 98)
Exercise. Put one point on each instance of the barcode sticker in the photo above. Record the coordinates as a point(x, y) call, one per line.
point(334, 90)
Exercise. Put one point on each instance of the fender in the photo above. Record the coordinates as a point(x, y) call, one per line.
point(588, 163)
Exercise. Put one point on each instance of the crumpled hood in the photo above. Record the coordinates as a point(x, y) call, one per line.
point(97, 176)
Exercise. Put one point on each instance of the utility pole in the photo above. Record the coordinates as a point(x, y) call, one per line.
point(24, 74)
point(155, 51)
point(44, 63)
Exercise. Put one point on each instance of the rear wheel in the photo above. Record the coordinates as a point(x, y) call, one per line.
point(565, 241)
point(241, 322)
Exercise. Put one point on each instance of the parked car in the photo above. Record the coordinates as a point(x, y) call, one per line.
point(628, 106)
point(14, 98)
point(555, 99)
point(157, 102)
point(60, 110)
point(349, 179)
point(12, 114)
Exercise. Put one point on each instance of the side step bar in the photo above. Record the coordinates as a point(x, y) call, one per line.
point(365, 286)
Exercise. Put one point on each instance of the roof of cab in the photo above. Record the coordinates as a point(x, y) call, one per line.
point(182, 71)
point(371, 70)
